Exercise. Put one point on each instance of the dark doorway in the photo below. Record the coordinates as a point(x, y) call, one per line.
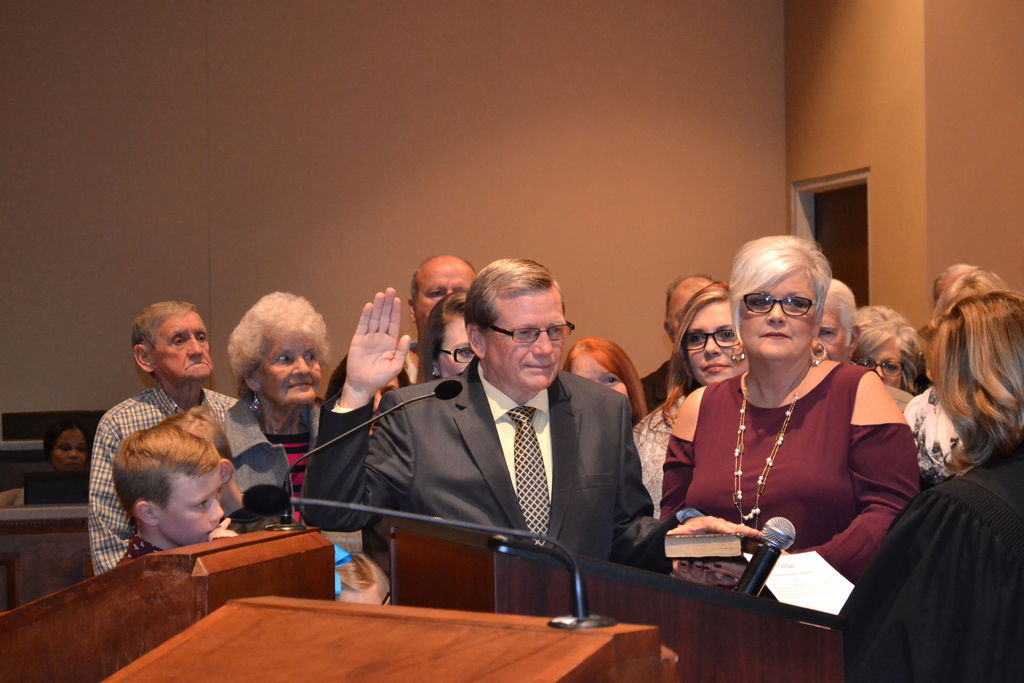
point(841, 228)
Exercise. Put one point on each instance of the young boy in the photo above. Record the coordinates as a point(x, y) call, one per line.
point(169, 482)
point(200, 421)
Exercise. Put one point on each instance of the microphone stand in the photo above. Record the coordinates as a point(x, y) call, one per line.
point(288, 522)
point(501, 540)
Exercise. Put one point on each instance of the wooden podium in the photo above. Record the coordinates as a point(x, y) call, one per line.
point(285, 639)
point(719, 635)
point(92, 629)
point(43, 548)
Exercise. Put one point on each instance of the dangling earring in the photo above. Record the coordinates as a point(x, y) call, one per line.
point(739, 356)
point(819, 353)
point(435, 371)
point(254, 404)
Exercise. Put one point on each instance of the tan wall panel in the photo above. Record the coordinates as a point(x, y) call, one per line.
point(975, 105)
point(854, 99)
point(326, 148)
point(102, 189)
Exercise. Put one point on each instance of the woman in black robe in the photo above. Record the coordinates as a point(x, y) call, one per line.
point(943, 599)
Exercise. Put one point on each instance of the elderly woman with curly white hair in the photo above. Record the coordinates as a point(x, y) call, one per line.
point(798, 435)
point(275, 353)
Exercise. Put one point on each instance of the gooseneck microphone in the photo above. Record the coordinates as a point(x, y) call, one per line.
point(779, 534)
point(269, 500)
point(446, 390)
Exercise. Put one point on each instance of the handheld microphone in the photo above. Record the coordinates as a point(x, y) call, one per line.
point(269, 500)
point(779, 534)
point(446, 390)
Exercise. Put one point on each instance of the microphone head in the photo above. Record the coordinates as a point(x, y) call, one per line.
point(266, 500)
point(450, 388)
point(779, 532)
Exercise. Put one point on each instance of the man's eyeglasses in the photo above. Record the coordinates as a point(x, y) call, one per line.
point(764, 303)
point(528, 335)
point(462, 354)
point(892, 368)
point(696, 341)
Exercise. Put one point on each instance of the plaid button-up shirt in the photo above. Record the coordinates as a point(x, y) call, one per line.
point(109, 524)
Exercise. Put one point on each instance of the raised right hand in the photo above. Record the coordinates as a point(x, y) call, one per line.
point(376, 354)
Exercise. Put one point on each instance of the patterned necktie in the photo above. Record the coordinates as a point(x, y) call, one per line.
point(531, 483)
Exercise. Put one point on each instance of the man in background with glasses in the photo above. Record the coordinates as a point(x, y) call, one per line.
point(523, 445)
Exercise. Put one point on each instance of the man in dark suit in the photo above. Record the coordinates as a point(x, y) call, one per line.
point(522, 446)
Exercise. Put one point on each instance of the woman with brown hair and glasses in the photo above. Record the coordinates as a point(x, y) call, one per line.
point(707, 349)
point(444, 350)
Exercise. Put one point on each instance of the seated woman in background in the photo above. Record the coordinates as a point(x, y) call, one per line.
point(444, 350)
point(933, 431)
point(275, 353)
point(706, 350)
point(888, 345)
point(67, 446)
point(604, 362)
point(941, 600)
point(797, 436)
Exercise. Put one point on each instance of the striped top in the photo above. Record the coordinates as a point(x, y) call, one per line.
point(295, 446)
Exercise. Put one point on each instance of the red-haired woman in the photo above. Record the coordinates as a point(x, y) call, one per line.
point(605, 362)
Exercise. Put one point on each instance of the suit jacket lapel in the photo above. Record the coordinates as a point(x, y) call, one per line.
point(476, 424)
point(564, 453)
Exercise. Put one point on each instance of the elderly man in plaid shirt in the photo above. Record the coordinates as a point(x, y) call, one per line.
point(169, 342)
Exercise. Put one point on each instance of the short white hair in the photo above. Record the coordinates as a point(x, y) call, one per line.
point(274, 315)
point(765, 262)
point(842, 296)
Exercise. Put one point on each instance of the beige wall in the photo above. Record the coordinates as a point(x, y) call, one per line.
point(926, 94)
point(855, 99)
point(215, 151)
point(975, 121)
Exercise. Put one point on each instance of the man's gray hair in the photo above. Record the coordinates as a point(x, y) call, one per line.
point(503, 277)
point(147, 323)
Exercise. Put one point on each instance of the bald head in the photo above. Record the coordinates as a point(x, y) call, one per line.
point(678, 295)
point(436, 277)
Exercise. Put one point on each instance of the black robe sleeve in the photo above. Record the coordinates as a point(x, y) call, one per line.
point(943, 599)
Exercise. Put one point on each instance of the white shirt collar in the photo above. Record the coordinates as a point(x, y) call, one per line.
point(500, 403)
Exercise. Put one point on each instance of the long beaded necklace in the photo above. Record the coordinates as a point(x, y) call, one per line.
point(762, 480)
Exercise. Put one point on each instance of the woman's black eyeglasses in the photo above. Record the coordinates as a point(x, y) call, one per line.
point(763, 303)
point(462, 354)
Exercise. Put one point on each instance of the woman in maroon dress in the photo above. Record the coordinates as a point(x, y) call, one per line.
point(798, 436)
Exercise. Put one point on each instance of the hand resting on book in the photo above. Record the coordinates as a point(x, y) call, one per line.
point(712, 572)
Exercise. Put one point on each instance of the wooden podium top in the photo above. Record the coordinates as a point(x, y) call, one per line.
point(318, 640)
point(91, 629)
